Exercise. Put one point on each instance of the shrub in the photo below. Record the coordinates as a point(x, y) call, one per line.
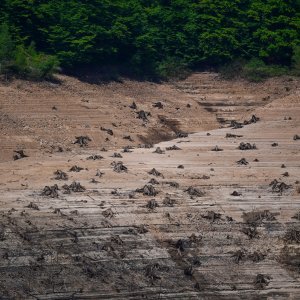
point(6, 48)
point(256, 70)
point(296, 61)
point(33, 65)
point(172, 69)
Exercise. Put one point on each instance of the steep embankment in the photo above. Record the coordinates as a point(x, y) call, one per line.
point(232, 236)
point(41, 117)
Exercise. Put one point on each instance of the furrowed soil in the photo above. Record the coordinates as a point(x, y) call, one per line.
point(211, 221)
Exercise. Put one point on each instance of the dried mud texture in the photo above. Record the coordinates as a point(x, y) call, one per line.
point(191, 240)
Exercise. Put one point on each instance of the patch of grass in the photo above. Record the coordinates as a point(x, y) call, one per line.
point(254, 70)
point(24, 61)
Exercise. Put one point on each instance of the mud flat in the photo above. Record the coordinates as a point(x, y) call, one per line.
point(199, 219)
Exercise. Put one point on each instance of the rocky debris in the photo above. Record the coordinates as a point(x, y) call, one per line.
point(158, 105)
point(194, 192)
point(261, 281)
point(133, 105)
point(230, 135)
point(116, 240)
point(148, 190)
point(212, 216)
point(254, 119)
point(143, 115)
point(82, 140)
point(154, 172)
point(173, 184)
point(99, 173)
point(242, 161)
point(129, 138)
point(236, 125)
point(145, 146)
point(142, 229)
point(296, 137)
point(274, 145)
point(256, 256)
point(50, 191)
point(292, 235)
point(19, 154)
point(283, 166)
point(117, 155)
point(247, 146)
point(33, 206)
point(278, 186)
point(76, 169)
point(182, 244)
point(60, 175)
point(153, 181)
point(256, 160)
point(235, 194)
point(93, 180)
point(107, 130)
point(217, 149)
point(152, 270)
point(152, 204)
point(127, 149)
point(94, 157)
point(180, 167)
point(251, 232)
point(256, 217)
point(103, 149)
point(285, 174)
point(174, 147)
point(108, 213)
point(189, 271)
point(119, 167)
point(159, 151)
point(75, 187)
point(297, 216)
point(181, 135)
point(169, 202)
point(238, 256)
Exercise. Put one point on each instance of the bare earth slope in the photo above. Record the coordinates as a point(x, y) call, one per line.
point(192, 237)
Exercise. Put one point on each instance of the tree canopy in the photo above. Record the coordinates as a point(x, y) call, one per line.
point(150, 35)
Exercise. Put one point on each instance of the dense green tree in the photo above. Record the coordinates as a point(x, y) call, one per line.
point(155, 35)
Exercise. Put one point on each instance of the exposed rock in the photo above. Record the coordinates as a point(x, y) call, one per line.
point(82, 140)
point(174, 147)
point(76, 169)
point(74, 187)
point(193, 191)
point(119, 167)
point(217, 149)
point(50, 191)
point(143, 115)
point(278, 186)
point(242, 161)
point(247, 146)
point(148, 190)
point(95, 157)
point(154, 172)
point(159, 151)
point(108, 130)
point(152, 204)
point(60, 175)
point(158, 105)
point(261, 281)
point(19, 154)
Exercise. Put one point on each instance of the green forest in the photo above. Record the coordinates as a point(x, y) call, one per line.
point(151, 38)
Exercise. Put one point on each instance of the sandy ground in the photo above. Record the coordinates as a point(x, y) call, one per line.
point(110, 241)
